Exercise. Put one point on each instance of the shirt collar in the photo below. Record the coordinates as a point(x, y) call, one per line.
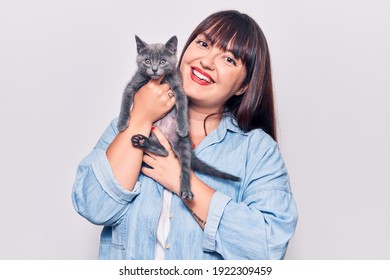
point(227, 123)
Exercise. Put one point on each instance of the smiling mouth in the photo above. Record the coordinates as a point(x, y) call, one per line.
point(200, 76)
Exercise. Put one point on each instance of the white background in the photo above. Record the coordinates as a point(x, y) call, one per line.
point(63, 68)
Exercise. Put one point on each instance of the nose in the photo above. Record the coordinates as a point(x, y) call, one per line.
point(208, 60)
point(154, 68)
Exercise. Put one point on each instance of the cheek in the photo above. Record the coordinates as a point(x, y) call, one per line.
point(238, 79)
point(188, 55)
point(232, 82)
point(187, 85)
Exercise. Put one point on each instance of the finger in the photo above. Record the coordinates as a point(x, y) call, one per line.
point(164, 88)
point(149, 160)
point(170, 93)
point(147, 171)
point(149, 155)
point(162, 139)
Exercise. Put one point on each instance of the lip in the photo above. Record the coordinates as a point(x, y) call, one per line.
point(198, 80)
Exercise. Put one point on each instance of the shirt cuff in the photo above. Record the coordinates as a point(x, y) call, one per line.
point(217, 206)
point(104, 174)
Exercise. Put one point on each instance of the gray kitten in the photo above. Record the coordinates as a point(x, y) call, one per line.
point(155, 60)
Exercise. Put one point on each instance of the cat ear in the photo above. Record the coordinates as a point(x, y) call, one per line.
point(140, 44)
point(171, 45)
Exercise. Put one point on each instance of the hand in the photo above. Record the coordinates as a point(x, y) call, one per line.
point(152, 101)
point(166, 170)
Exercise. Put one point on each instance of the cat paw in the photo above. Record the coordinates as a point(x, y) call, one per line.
point(187, 195)
point(139, 141)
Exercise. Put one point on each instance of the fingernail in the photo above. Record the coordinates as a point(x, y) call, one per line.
point(153, 127)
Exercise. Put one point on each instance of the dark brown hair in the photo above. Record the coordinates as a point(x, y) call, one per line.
point(243, 36)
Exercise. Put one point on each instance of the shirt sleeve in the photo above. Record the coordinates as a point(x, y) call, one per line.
point(261, 222)
point(96, 194)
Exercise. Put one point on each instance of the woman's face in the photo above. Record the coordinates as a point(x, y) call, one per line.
point(210, 75)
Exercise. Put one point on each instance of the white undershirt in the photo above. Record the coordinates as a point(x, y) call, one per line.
point(163, 225)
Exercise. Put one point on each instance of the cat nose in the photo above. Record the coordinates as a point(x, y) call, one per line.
point(155, 68)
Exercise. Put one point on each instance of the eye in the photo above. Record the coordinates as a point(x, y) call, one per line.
point(202, 44)
point(230, 60)
point(162, 61)
point(147, 61)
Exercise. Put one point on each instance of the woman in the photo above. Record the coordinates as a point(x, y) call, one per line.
point(226, 73)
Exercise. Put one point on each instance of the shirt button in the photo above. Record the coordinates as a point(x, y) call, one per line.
point(167, 246)
point(170, 215)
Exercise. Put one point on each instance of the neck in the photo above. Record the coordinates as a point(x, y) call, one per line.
point(200, 113)
point(203, 122)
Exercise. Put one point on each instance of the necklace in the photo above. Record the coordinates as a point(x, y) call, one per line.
point(196, 139)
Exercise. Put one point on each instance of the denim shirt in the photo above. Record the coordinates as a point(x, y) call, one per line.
point(251, 219)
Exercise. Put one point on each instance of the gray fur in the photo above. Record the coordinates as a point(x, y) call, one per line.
point(155, 60)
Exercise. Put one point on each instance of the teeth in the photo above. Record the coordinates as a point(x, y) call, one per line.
point(201, 76)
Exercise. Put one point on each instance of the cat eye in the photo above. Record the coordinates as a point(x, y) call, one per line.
point(162, 61)
point(147, 61)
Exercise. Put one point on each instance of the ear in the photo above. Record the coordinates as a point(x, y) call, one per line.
point(241, 90)
point(140, 44)
point(171, 45)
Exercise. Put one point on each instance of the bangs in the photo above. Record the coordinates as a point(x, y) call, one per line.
point(232, 34)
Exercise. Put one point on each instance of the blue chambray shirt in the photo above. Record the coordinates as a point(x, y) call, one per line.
point(251, 219)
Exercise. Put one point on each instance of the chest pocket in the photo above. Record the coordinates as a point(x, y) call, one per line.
point(119, 240)
point(119, 236)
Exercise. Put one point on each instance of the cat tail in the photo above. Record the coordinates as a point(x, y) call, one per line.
point(204, 168)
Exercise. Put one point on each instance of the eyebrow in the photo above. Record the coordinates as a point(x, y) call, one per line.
point(208, 37)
